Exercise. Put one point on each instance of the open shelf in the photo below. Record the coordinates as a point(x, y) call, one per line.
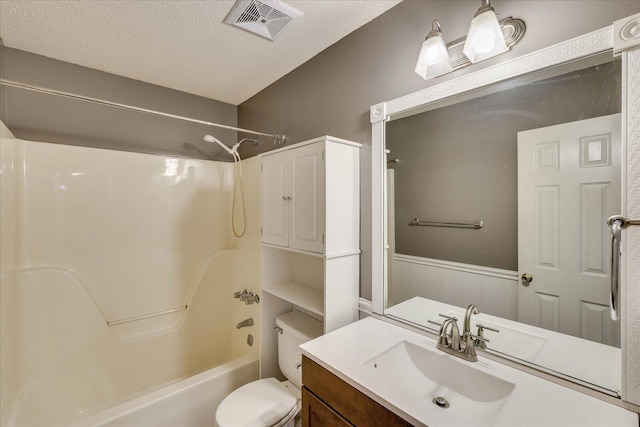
point(306, 297)
point(297, 251)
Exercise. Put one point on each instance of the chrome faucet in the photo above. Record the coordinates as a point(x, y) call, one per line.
point(454, 337)
point(469, 339)
point(448, 342)
point(472, 309)
point(245, 323)
point(451, 342)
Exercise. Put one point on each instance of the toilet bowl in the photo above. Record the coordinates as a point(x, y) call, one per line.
point(269, 402)
point(260, 403)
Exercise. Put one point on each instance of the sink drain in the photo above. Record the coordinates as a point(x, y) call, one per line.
point(440, 402)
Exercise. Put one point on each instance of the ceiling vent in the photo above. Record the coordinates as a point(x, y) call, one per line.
point(266, 18)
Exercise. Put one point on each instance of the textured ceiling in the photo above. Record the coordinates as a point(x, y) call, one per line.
point(182, 45)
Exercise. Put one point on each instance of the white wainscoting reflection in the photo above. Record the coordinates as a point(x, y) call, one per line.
point(493, 290)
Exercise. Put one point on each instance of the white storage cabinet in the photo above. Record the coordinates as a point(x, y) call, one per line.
point(310, 233)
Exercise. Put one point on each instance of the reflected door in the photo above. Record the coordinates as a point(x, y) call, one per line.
point(568, 185)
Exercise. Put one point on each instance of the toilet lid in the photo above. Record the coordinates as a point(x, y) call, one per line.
point(259, 403)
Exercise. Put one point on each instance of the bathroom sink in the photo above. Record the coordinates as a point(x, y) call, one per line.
point(422, 374)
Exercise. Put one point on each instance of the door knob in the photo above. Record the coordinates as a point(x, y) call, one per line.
point(526, 279)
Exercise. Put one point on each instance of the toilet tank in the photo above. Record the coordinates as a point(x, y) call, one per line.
point(297, 328)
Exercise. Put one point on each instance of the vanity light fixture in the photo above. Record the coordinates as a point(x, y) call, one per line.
point(434, 58)
point(487, 37)
point(484, 38)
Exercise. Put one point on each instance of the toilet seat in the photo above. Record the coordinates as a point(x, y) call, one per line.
point(260, 403)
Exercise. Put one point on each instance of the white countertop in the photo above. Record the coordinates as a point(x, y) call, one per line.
point(347, 353)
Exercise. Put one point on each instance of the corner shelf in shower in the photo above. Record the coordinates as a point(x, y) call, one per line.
point(305, 297)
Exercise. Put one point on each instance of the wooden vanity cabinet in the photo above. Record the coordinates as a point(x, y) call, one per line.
point(329, 401)
point(315, 413)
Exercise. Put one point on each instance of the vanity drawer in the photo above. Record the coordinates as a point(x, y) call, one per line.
point(315, 413)
point(344, 399)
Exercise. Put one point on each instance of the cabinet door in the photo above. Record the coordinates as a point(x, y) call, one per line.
point(306, 224)
point(316, 414)
point(275, 203)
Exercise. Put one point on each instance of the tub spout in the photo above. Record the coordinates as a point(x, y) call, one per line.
point(245, 323)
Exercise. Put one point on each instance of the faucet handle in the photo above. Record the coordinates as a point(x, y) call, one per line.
point(482, 327)
point(470, 343)
point(442, 339)
point(442, 333)
point(476, 337)
point(448, 317)
point(454, 338)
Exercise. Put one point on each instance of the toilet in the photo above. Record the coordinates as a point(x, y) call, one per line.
point(269, 402)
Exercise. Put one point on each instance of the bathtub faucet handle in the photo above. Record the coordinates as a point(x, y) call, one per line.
point(251, 300)
point(240, 294)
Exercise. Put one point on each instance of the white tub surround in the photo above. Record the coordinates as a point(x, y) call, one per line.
point(115, 267)
point(387, 364)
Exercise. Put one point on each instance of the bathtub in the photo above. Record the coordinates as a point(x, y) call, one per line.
point(187, 403)
point(117, 284)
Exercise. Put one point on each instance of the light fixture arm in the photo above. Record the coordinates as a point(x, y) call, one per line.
point(486, 7)
point(436, 30)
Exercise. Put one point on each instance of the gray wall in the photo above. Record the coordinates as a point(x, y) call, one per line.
point(48, 118)
point(459, 163)
point(332, 93)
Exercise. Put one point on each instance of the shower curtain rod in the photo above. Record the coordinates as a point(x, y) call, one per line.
point(278, 138)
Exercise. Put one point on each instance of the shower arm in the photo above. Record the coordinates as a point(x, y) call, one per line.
point(278, 139)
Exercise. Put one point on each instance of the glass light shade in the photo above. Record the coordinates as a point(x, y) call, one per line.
point(484, 39)
point(433, 60)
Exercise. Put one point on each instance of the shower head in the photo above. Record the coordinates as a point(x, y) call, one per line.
point(211, 139)
point(233, 150)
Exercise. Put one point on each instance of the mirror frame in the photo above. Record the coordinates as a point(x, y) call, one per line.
point(619, 37)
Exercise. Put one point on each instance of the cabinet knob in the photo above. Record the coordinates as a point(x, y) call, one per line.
point(285, 198)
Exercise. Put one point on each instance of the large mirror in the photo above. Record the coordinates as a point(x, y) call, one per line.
point(499, 197)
